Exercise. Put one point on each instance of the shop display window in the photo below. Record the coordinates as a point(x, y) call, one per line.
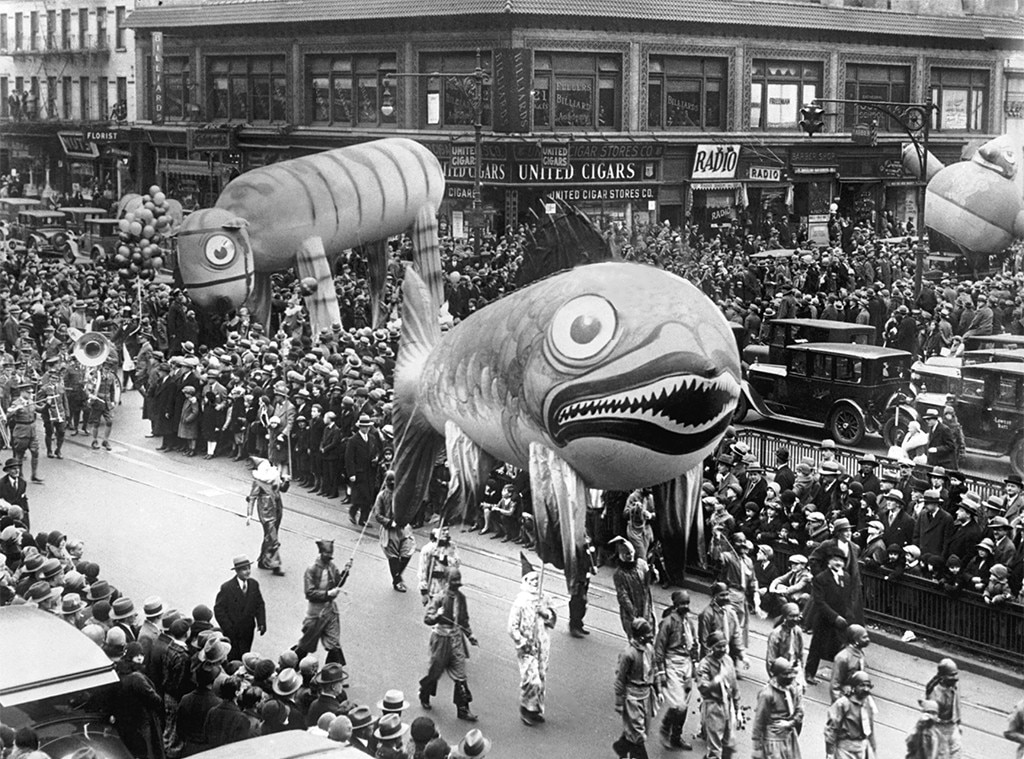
point(779, 89)
point(577, 91)
point(177, 79)
point(960, 97)
point(348, 90)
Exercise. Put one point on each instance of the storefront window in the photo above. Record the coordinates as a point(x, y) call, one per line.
point(960, 96)
point(177, 77)
point(451, 99)
point(877, 84)
point(779, 89)
point(349, 90)
point(252, 89)
point(686, 93)
point(577, 91)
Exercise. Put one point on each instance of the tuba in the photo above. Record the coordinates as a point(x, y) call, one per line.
point(92, 349)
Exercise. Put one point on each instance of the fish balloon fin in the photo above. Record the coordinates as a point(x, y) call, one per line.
point(311, 261)
point(260, 299)
point(677, 504)
point(469, 465)
point(417, 444)
point(561, 241)
point(377, 271)
point(560, 500)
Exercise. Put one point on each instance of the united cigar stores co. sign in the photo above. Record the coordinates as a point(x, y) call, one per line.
point(716, 161)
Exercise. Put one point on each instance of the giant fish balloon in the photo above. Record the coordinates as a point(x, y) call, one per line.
point(611, 375)
point(306, 212)
point(976, 204)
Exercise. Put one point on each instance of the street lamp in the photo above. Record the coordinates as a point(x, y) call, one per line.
point(471, 82)
point(915, 119)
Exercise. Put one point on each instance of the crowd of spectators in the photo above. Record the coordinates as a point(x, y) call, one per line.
point(319, 405)
point(179, 693)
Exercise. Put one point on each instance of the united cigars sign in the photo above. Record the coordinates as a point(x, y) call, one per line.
point(551, 164)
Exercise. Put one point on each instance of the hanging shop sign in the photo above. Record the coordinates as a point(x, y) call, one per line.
point(764, 173)
point(76, 145)
point(158, 78)
point(716, 161)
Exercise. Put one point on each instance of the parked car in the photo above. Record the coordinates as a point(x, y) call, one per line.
point(784, 332)
point(989, 406)
point(848, 389)
point(993, 342)
point(289, 744)
point(9, 210)
point(50, 675)
point(78, 215)
point(100, 239)
point(44, 232)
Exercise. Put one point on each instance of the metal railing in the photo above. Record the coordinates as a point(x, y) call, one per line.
point(922, 606)
point(764, 444)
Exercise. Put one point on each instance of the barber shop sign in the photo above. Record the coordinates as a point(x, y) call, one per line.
point(716, 161)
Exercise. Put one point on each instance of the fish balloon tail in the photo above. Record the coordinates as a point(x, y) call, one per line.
point(677, 506)
point(560, 498)
point(417, 444)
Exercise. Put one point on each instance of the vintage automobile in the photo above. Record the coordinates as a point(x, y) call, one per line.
point(44, 233)
point(784, 332)
point(289, 744)
point(100, 239)
point(51, 684)
point(78, 215)
point(993, 342)
point(989, 406)
point(9, 210)
point(848, 389)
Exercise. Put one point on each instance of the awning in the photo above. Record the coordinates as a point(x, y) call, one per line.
point(860, 180)
point(715, 185)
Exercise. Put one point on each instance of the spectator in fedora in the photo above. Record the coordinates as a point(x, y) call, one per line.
point(332, 699)
point(362, 455)
point(286, 685)
point(240, 609)
point(123, 615)
point(1013, 501)
point(898, 525)
point(941, 443)
point(829, 612)
point(362, 728)
point(934, 527)
point(390, 735)
point(967, 533)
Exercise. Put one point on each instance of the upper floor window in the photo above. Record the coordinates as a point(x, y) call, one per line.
point(65, 29)
point(177, 80)
point(3, 31)
point(960, 96)
point(875, 83)
point(33, 30)
point(119, 27)
point(252, 89)
point(101, 27)
point(350, 90)
point(451, 98)
point(18, 41)
point(83, 28)
point(577, 91)
point(686, 93)
point(779, 89)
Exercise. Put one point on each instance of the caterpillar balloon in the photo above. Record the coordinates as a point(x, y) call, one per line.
point(305, 213)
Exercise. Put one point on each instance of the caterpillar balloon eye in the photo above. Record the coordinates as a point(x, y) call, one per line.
point(220, 250)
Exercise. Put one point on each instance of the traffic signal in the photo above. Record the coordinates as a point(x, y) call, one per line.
point(812, 119)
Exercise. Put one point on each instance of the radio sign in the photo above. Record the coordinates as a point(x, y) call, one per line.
point(765, 173)
point(716, 161)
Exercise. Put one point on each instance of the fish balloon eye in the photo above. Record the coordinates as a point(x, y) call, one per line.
point(582, 328)
point(220, 250)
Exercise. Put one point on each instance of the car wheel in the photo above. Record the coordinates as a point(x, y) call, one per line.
point(846, 426)
point(742, 407)
point(1017, 457)
point(893, 433)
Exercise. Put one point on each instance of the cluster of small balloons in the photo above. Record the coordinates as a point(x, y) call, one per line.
point(143, 234)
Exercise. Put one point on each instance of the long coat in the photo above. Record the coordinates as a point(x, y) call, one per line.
point(162, 407)
point(360, 462)
point(188, 426)
point(238, 614)
point(829, 601)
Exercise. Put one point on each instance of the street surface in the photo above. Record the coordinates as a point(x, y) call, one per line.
point(169, 525)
